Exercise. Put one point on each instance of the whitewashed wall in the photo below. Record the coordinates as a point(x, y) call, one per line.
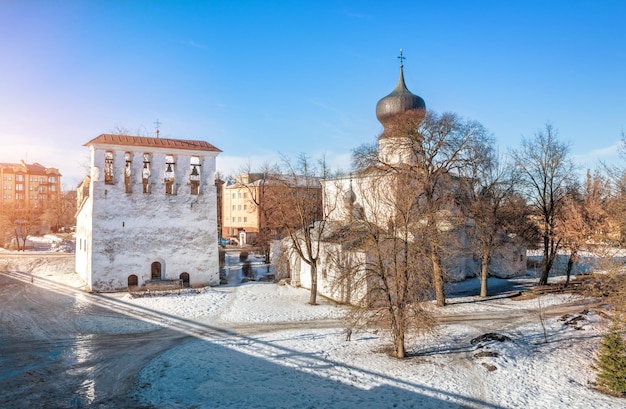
point(127, 232)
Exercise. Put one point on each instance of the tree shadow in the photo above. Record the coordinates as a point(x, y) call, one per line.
point(179, 363)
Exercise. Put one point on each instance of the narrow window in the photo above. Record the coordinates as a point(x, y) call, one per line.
point(145, 173)
point(194, 175)
point(108, 168)
point(169, 174)
point(127, 170)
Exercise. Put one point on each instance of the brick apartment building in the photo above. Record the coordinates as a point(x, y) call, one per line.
point(28, 185)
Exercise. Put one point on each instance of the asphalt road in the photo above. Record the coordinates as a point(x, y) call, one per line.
point(56, 351)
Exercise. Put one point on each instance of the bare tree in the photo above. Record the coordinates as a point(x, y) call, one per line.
point(61, 210)
point(298, 211)
point(263, 188)
point(382, 256)
point(433, 149)
point(20, 221)
point(546, 172)
point(487, 187)
point(584, 220)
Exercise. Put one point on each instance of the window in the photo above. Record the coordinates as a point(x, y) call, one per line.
point(169, 174)
point(234, 219)
point(19, 196)
point(234, 207)
point(245, 219)
point(234, 195)
point(145, 173)
point(53, 179)
point(42, 189)
point(128, 169)
point(42, 180)
point(239, 195)
point(53, 188)
point(245, 207)
point(19, 187)
point(245, 195)
point(239, 207)
point(108, 168)
point(19, 178)
point(194, 175)
point(239, 219)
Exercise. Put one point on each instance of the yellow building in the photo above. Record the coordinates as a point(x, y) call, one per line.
point(29, 186)
point(240, 215)
point(253, 207)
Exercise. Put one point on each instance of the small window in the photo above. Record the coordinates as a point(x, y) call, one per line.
point(108, 168)
point(245, 195)
point(145, 173)
point(239, 207)
point(234, 207)
point(128, 170)
point(194, 175)
point(245, 207)
point(233, 194)
point(245, 219)
point(169, 174)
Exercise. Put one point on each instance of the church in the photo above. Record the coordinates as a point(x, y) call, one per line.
point(147, 214)
point(368, 195)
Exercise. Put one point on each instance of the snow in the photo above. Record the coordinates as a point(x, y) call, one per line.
point(274, 353)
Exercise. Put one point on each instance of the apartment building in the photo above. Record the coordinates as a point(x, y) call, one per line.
point(28, 185)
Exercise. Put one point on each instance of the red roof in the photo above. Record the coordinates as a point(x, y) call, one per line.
point(148, 142)
point(31, 169)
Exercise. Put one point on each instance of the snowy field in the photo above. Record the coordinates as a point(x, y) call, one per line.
point(260, 345)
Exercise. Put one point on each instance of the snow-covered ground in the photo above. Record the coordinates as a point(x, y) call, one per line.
point(273, 350)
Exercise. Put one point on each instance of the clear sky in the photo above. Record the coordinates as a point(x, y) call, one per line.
point(258, 78)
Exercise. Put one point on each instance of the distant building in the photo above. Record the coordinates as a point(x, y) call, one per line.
point(147, 213)
point(30, 186)
point(250, 206)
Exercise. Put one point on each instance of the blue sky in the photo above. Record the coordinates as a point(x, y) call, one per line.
point(258, 78)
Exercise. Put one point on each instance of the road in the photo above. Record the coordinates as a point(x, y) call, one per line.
point(62, 347)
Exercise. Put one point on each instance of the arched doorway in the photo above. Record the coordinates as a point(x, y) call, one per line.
point(155, 271)
point(185, 279)
point(133, 281)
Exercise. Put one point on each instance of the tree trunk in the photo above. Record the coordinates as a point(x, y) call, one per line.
point(545, 265)
point(313, 296)
point(397, 331)
point(570, 264)
point(399, 343)
point(439, 283)
point(484, 274)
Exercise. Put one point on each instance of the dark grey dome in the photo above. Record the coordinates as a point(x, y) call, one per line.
point(400, 100)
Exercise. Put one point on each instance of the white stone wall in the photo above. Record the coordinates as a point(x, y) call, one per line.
point(127, 232)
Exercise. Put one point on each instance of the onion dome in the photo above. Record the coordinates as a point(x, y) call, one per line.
point(400, 100)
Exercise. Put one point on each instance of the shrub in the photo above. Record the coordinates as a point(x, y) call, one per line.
point(611, 362)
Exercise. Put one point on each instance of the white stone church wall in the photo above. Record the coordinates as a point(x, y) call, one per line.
point(130, 231)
